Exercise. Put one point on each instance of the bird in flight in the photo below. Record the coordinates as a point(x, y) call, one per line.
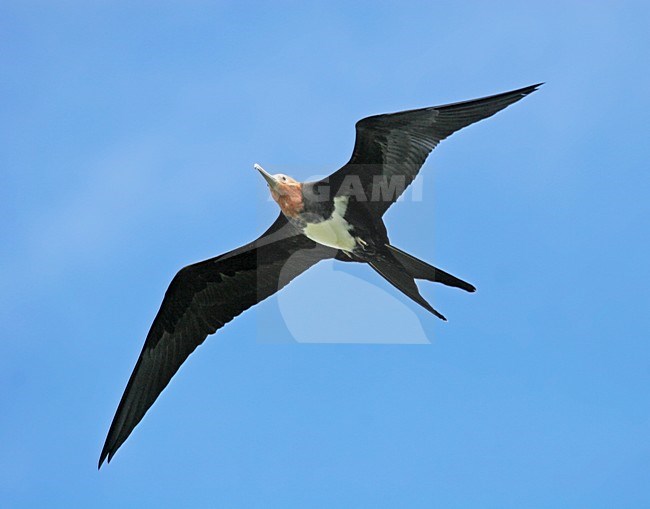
point(338, 217)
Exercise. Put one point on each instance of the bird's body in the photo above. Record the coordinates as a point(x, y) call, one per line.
point(333, 230)
point(340, 217)
point(337, 223)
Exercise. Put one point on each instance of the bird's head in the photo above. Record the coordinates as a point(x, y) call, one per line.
point(287, 192)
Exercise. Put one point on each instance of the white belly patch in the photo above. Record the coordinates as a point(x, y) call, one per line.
point(335, 231)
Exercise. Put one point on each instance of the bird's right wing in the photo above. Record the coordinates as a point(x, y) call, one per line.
point(201, 299)
point(390, 149)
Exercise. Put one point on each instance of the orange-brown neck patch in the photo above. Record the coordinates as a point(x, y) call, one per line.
point(289, 199)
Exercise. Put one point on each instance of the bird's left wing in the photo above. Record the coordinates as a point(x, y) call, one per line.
point(390, 149)
point(201, 299)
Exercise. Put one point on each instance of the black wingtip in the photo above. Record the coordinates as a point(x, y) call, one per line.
point(521, 92)
point(531, 88)
point(101, 460)
point(106, 455)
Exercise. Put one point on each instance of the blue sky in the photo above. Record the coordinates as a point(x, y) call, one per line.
point(128, 134)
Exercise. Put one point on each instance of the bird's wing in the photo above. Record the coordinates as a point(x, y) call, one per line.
point(201, 299)
point(390, 149)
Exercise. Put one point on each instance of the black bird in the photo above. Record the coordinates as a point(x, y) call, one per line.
point(339, 217)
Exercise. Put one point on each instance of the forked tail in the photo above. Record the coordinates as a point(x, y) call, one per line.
point(393, 272)
point(422, 270)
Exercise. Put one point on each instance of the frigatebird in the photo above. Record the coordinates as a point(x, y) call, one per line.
point(338, 217)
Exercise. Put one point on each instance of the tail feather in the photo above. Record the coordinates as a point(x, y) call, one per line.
point(422, 270)
point(396, 275)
